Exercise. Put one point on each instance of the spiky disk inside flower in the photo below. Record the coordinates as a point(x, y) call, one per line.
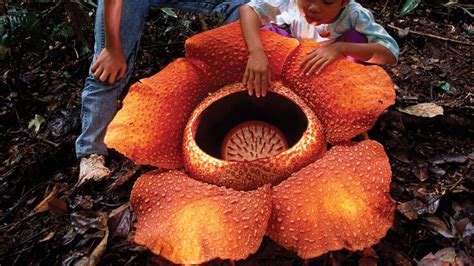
point(222, 53)
point(347, 97)
point(149, 128)
point(340, 201)
point(253, 140)
point(189, 222)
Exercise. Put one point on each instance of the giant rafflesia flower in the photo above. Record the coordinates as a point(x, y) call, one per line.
point(255, 166)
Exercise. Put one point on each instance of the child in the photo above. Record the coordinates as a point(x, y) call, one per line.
point(118, 28)
point(339, 23)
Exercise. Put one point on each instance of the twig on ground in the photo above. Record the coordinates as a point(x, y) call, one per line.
point(466, 171)
point(203, 23)
point(121, 180)
point(162, 45)
point(23, 197)
point(455, 51)
point(48, 142)
point(10, 227)
point(433, 36)
point(25, 241)
point(18, 119)
point(46, 13)
point(384, 6)
point(453, 186)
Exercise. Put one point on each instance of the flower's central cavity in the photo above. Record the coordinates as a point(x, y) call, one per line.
point(238, 127)
point(244, 142)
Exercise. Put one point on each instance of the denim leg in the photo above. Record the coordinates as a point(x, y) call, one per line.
point(230, 8)
point(99, 99)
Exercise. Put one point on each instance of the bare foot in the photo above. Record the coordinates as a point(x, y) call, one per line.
point(92, 168)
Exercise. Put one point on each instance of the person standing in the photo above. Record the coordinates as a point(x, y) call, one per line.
point(118, 28)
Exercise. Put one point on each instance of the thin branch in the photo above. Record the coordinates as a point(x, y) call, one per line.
point(162, 45)
point(202, 21)
point(48, 142)
point(433, 36)
point(45, 14)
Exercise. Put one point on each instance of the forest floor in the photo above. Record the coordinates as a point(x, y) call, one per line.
point(41, 80)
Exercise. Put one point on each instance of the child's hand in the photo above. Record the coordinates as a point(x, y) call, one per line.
point(319, 58)
point(110, 66)
point(257, 74)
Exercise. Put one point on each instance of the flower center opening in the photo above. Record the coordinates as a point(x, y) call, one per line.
point(238, 127)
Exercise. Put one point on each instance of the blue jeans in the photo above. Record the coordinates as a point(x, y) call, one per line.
point(99, 99)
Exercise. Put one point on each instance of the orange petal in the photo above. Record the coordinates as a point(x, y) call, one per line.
point(222, 52)
point(347, 97)
point(149, 128)
point(340, 201)
point(190, 222)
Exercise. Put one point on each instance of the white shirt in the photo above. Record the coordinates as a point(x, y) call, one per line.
point(353, 16)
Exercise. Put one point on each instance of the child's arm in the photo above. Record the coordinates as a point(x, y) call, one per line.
point(257, 74)
point(380, 49)
point(319, 58)
point(110, 66)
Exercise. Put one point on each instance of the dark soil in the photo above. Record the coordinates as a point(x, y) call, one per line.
point(43, 75)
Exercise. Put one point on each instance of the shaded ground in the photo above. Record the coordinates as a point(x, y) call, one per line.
point(43, 76)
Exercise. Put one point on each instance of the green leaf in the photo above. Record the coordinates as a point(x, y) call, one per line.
point(444, 85)
point(170, 12)
point(64, 30)
point(3, 29)
point(85, 51)
point(66, 75)
point(89, 2)
point(409, 6)
point(464, 7)
point(170, 28)
point(36, 123)
point(20, 18)
point(17, 26)
point(185, 22)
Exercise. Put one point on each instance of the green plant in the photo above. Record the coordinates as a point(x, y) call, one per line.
point(409, 6)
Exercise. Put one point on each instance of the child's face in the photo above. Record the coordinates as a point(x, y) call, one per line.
point(318, 12)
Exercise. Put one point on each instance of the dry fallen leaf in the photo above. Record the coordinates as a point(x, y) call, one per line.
point(48, 237)
point(438, 226)
point(443, 159)
point(36, 122)
point(44, 204)
point(120, 221)
point(413, 208)
point(369, 257)
point(468, 231)
point(124, 178)
point(423, 110)
point(99, 250)
point(402, 33)
point(57, 206)
point(446, 256)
